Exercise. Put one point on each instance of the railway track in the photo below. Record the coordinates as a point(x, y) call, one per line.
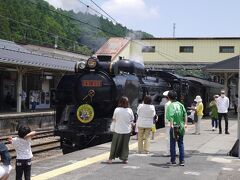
point(42, 142)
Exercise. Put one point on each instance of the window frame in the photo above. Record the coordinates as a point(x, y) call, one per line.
point(181, 49)
point(227, 49)
point(148, 49)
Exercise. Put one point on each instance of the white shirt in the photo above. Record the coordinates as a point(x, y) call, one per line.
point(123, 117)
point(22, 147)
point(222, 104)
point(167, 123)
point(145, 112)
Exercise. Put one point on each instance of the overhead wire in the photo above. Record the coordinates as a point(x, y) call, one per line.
point(88, 6)
point(167, 56)
point(78, 20)
point(40, 30)
point(103, 11)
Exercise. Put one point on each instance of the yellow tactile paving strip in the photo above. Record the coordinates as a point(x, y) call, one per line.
point(82, 163)
point(77, 165)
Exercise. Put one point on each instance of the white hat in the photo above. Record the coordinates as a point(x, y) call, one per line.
point(165, 93)
point(198, 99)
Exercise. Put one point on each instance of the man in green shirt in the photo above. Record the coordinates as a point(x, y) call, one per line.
point(177, 116)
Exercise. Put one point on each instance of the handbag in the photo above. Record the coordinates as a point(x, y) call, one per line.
point(176, 132)
point(112, 126)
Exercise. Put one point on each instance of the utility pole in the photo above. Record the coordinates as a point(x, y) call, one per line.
point(56, 42)
point(238, 109)
point(174, 29)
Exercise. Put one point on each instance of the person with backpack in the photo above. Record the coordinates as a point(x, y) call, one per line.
point(177, 116)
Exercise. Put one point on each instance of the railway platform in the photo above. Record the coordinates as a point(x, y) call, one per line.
point(205, 158)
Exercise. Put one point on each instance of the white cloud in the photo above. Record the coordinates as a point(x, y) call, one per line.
point(129, 12)
point(74, 5)
point(135, 14)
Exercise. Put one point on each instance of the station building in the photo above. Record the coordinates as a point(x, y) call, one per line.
point(179, 53)
point(27, 70)
point(172, 52)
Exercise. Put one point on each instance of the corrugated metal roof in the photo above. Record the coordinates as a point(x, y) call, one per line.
point(192, 38)
point(55, 52)
point(113, 47)
point(11, 53)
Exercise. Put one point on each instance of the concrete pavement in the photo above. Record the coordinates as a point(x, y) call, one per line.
point(205, 158)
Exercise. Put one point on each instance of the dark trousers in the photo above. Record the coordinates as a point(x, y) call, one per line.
point(23, 166)
point(173, 147)
point(220, 115)
point(214, 122)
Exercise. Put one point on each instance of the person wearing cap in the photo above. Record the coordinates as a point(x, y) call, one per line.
point(177, 117)
point(199, 112)
point(167, 124)
point(222, 106)
point(214, 112)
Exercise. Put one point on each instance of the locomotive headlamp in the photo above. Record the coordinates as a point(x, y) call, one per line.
point(92, 63)
point(82, 65)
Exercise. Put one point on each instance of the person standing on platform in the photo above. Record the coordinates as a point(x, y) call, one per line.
point(33, 102)
point(199, 112)
point(146, 113)
point(214, 112)
point(167, 124)
point(23, 97)
point(5, 167)
point(222, 106)
point(23, 149)
point(177, 116)
point(123, 118)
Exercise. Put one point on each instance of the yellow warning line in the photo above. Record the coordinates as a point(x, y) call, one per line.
point(77, 165)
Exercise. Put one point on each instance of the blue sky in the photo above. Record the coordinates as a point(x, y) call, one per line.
point(193, 18)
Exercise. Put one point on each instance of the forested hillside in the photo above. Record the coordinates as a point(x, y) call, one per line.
point(37, 22)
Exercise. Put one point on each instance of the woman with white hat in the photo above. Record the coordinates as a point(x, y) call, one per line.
point(199, 112)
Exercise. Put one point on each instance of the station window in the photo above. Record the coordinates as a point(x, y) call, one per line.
point(147, 49)
point(226, 49)
point(186, 49)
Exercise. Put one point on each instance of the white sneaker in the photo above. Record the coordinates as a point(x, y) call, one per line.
point(213, 129)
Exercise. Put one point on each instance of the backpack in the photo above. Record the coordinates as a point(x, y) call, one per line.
point(234, 151)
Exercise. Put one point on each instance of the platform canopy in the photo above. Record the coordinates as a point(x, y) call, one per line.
point(228, 68)
point(14, 55)
point(225, 69)
point(229, 65)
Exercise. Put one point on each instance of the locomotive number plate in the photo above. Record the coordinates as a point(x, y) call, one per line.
point(92, 83)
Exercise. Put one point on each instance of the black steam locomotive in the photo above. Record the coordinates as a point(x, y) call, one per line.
point(85, 101)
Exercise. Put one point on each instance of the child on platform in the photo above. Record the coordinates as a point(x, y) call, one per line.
point(22, 145)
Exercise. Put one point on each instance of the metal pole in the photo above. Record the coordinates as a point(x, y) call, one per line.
point(238, 107)
point(19, 89)
point(174, 29)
